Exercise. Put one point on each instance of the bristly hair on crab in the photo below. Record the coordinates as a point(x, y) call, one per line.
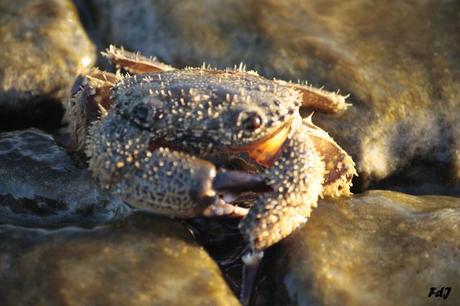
point(160, 137)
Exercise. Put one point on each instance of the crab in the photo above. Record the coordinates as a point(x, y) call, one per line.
point(161, 138)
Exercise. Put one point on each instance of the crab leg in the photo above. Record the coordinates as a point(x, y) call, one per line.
point(134, 62)
point(250, 270)
point(317, 98)
point(311, 165)
point(340, 167)
point(89, 101)
point(296, 178)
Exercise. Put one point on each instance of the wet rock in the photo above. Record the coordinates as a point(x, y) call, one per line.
point(142, 260)
point(378, 248)
point(399, 62)
point(43, 46)
point(40, 184)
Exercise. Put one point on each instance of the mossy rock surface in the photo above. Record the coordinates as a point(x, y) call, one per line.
point(43, 47)
point(141, 260)
point(377, 248)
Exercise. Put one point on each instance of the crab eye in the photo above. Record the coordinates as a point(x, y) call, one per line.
point(146, 114)
point(141, 113)
point(251, 121)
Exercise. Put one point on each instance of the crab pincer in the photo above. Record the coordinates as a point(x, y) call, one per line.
point(226, 184)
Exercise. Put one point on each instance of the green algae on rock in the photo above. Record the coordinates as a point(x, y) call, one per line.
point(142, 260)
point(43, 46)
point(378, 248)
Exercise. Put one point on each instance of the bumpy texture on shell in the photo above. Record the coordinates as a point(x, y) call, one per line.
point(193, 107)
point(156, 130)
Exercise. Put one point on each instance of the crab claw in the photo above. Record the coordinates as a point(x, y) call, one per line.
point(229, 184)
point(214, 191)
point(238, 182)
point(220, 208)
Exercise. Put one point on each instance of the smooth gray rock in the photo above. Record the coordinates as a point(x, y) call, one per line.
point(378, 248)
point(142, 260)
point(40, 184)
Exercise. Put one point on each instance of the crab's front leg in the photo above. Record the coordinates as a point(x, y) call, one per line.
point(311, 165)
point(296, 178)
point(160, 179)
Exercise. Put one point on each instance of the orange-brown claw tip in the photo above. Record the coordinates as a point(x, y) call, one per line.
point(238, 181)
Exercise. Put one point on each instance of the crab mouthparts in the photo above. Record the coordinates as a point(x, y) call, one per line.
point(266, 150)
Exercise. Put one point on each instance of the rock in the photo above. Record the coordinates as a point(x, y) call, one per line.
point(142, 260)
point(378, 248)
point(40, 184)
point(43, 47)
point(399, 62)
